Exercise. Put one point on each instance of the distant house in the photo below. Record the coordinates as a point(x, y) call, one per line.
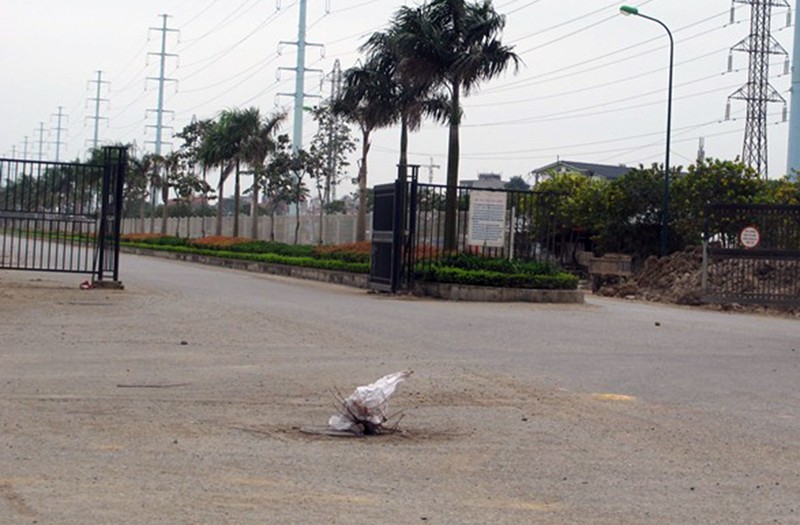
point(603, 171)
point(492, 181)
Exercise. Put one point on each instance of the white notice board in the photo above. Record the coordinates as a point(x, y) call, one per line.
point(487, 218)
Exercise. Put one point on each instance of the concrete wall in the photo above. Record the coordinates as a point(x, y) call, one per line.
point(336, 229)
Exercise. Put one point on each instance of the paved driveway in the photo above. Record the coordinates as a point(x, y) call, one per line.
point(180, 400)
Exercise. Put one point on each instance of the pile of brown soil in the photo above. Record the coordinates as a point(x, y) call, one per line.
point(677, 279)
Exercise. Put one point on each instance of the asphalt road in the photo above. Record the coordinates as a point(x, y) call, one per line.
point(181, 399)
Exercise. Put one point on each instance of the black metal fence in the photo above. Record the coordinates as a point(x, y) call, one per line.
point(62, 217)
point(752, 254)
point(413, 230)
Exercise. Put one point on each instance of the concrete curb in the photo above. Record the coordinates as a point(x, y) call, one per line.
point(451, 292)
point(463, 292)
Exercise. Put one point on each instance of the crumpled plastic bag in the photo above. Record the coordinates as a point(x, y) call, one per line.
point(366, 409)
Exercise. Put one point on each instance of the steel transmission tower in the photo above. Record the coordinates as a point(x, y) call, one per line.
point(758, 92)
point(793, 167)
point(300, 71)
point(60, 116)
point(333, 133)
point(97, 118)
point(159, 111)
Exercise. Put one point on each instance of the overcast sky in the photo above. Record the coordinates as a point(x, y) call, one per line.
point(592, 87)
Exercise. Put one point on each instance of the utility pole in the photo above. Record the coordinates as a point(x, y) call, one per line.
point(58, 129)
point(300, 71)
point(159, 111)
point(41, 141)
point(25, 148)
point(758, 92)
point(431, 166)
point(793, 167)
point(97, 99)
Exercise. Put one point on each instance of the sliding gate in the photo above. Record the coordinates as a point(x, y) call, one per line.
point(752, 254)
point(62, 217)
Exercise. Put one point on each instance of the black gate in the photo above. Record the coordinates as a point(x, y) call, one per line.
point(388, 225)
point(62, 217)
point(751, 254)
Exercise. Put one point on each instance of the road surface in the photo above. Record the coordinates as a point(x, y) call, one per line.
point(181, 400)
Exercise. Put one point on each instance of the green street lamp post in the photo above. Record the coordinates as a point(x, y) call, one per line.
point(629, 10)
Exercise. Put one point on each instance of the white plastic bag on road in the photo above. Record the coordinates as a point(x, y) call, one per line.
point(366, 409)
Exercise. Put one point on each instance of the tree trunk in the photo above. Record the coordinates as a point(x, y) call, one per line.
point(237, 191)
point(361, 220)
point(321, 212)
point(152, 208)
point(297, 221)
point(218, 231)
point(164, 210)
point(451, 199)
point(254, 210)
point(272, 224)
point(142, 206)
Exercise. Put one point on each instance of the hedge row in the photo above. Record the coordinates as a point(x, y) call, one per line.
point(459, 269)
point(271, 258)
point(446, 274)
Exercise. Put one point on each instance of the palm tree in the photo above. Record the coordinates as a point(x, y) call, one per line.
point(256, 148)
point(366, 99)
point(454, 44)
point(412, 98)
point(213, 152)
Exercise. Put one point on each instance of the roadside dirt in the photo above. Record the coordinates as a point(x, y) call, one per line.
point(677, 279)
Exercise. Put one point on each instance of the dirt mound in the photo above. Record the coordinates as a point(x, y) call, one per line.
point(677, 279)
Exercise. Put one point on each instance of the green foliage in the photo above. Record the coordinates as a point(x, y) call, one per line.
point(263, 247)
point(474, 262)
point(708, 182)
point(517, 183)
point(445, 274)
point(271, 258)
point(158, 241)
point(484, 271)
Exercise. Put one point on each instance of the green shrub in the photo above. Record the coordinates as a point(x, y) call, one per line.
point(554, 281)
point(271, 258)
point(159, 241)
point(475, 262)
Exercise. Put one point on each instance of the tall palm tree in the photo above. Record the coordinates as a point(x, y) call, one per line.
point(454, 44)
point(412, 98)
point(214, 150)
point(238, 126)
point(366, 99)
point(256, 148)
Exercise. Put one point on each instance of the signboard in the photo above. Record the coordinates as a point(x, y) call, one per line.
point(750, 237)
point(487, 219)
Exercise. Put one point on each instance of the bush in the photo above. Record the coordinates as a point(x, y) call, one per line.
point(557, 281)
point(474, 262)
point(358, 252)
point(154, 239)
point(242, 245)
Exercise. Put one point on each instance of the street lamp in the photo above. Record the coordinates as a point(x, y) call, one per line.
point(629, 10)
